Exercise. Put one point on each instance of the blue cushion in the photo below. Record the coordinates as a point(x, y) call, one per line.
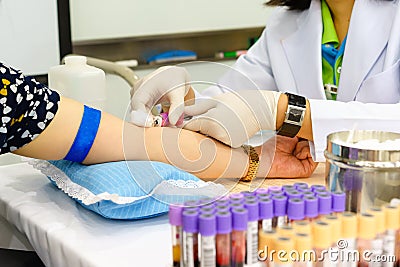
point(126, 189)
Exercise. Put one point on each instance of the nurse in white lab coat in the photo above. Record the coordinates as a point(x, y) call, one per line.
point(287, 58)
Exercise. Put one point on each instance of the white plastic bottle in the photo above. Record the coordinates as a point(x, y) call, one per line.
point(77, 80)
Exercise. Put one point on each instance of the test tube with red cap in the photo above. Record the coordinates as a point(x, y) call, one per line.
point(279, 203)
point(207, 230)
point(190, 238)
point(252, 231)
point(175, 220)
point(295, 210)
point(338, 202)
point(324, 203)
point(239, 227)
point(266, 214)
point(310, 207)
point(223, 238)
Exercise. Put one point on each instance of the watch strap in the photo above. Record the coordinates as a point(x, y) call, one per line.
point(294, 115)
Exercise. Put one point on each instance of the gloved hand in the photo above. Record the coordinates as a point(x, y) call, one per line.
point(234, 117)
point(168, 86)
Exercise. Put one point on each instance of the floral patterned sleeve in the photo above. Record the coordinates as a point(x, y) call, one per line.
point(26, 108)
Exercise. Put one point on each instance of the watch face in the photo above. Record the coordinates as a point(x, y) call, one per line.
point(295, 114)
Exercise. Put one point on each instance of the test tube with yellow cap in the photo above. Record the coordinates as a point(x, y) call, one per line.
point(321, 232)
point(336, 245)
point(397, 245)
point(392, 223)
point(377, 243)
point(366, 234)
point(266, 242)
point(302, 227)
point(349, 240)
point(284, 247)
point(304, 249)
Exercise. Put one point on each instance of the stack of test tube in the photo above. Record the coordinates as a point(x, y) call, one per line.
point(234, 230)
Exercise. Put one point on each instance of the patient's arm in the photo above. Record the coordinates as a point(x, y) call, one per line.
point(118, 140)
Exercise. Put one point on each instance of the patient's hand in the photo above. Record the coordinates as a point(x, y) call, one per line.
point(292, 159)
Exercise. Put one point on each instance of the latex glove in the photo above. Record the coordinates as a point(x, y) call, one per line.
point(168, 86)
point(292, 158)
point(234, 117)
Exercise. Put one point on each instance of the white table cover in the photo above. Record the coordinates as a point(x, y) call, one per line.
point(66, 235)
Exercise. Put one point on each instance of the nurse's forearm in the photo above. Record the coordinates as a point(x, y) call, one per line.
point(118, 140)
point(306, 129)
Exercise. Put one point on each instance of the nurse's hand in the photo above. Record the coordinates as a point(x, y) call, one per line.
point(292, 159)
point(234, 117)
point(168, 86)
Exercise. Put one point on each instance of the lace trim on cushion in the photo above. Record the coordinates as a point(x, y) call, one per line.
point(166, 187)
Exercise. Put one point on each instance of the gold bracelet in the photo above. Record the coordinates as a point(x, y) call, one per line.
point(254, 162)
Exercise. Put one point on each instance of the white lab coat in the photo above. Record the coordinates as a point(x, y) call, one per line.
point(287, 57)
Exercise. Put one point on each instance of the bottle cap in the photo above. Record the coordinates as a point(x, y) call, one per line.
point(250, 198)
point(308, 193)
point(266, 209)
point(239, 219)
point(284, 244)
point(190, 221)
point(222, 208)
point(191, 204)
point(248, 193)
point(206, 202)
point(295, 209)
point(349, 225)
point(301, 186)
point(305, 190)
point(253, 210)
point(222, 201)
point(392, 220)
point(285, 231)
point(336, 227)
point(274, 188)
point(264, 196)
point(338, 201)
point(302, 227)
point(261, 191)
point(175, 214)
point(207, 225)
point(380, 218)
point(311, 206)
point(236, 205)
point(366, 226)
point(276, 193)
point(324, 203)
point(318, 186)
point(224, 222)
point(302, 243)
point(288, 188)
point(279, 205)
point(75, 60)
point(236, 196)
point(266, 240)
point(207, 209)
point(321, 232)
point(293, 194)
